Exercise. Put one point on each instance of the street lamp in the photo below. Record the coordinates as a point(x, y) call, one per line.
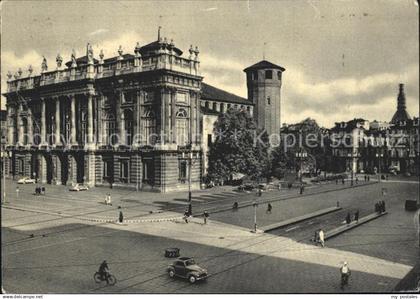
point(189, 158)
point(379, 155)
point(255, 205)
point(4, 155)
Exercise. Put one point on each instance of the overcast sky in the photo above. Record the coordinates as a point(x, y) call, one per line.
point(343, 59)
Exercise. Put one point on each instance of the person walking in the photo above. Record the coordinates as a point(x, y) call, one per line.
point(235, 206)
point(321, 237)
point(206, 216)
point(269, 208)
point(345, 274)
point(383, 206)
point(121, 217)
point(186, 215)
point(342, 181)
point(356, 216)
point(316, 236)
point(357, 180)
point(348, 218)
point(17, 192)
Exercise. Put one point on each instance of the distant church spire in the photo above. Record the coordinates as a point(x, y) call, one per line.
point(401, 114)
point(160, 27)
point(401, 98)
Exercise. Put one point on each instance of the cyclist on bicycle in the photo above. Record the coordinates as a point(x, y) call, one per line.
point(104, 270)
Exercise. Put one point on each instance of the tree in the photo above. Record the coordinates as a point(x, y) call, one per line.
point(240, 147)
point(305, 136)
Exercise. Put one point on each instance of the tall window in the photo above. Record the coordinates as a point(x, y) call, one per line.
point(25, 131)
point(182, 171)
point(148, 171)
point(268, 101)
point(209, 140)
point(279, 75)
point(124, 171)
point(108, 169)
point(255, 75)
point(110, 132)
point(129, 130)
point(149, 127)
point(269, 74)
point(182, 131)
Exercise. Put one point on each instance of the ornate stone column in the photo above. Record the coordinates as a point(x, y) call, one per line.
point(99, 124)
point(90, 119)
point(43, 122)
point(30, 127)
point(73, 138)
point(20, 121)
point(57, 121)
point(120, 118)
point(173, 115)
point(11, 125)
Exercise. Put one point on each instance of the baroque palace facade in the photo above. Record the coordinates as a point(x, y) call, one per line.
point(134, 120)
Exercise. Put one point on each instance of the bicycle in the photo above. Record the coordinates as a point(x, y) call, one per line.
point(109, 278)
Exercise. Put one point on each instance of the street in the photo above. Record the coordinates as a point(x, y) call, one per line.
point(48, 248)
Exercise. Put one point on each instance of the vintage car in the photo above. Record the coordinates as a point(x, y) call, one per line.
point(26, 180)
point(79, 187)
point(185, 267)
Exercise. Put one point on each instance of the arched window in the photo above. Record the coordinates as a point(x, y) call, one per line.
point(109, 128)
point(149, 127)
point(25, 130)
point(128, 124)
point(182, 128)
point(181, 113)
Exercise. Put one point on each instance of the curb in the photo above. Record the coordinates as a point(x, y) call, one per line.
point(299, 219)
point(250, 203)
point(341, 229)
point(95, 219)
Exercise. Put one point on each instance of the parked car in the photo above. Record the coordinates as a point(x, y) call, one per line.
point(185, 267)
point(26, 180)
point(79, 187)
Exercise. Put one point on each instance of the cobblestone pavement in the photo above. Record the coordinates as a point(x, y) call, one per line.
point(64, 252)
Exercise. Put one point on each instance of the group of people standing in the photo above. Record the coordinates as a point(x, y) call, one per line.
point(356, 217)
point(380, 207)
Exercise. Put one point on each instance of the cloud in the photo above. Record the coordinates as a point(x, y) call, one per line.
point(99, 31)
point(11, 62)
point(209, 9)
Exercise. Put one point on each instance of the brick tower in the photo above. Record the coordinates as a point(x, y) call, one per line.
point(264, 86)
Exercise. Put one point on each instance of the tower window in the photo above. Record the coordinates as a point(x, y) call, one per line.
point(254, 75)
point(268, 101)
point(279, 75)
point(269, 74)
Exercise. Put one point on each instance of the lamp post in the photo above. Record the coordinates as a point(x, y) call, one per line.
point(4, 155)
point(189, 159)
point(255, 205)
point(379, 155)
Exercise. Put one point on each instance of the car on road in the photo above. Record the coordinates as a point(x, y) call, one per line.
point(26, 180)
point(79, 187)
point(186, 267)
